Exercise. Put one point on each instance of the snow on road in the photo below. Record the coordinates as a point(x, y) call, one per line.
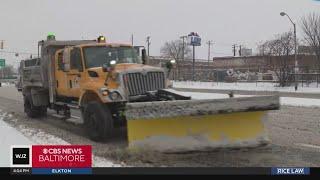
point(10, 136)
point(5, 84)
point(260, 86)
point(198, 95)
point(289, 101)
point(305, 102)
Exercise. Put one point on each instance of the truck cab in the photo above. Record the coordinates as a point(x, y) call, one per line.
point(108, 72)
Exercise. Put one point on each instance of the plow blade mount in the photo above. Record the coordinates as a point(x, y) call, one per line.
point(198, 125)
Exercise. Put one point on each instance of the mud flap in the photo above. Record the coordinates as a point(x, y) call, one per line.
point(198, 125)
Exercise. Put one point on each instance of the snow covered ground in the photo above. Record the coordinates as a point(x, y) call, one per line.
point(305, 102)
point(260, 86)
point(289, 101)
point(10, 136)
point(4, 84)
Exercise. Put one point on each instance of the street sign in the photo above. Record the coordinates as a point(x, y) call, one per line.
point(2, 63)
point(194, 39)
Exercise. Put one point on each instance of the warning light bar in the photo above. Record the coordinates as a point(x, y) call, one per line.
point(101, 39)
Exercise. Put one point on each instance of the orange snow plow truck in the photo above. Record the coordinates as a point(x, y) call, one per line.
point(113, 87)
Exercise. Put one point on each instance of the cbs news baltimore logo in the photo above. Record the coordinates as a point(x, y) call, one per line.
point(51, 159)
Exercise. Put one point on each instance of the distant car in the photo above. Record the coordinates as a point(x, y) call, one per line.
point(18, 84)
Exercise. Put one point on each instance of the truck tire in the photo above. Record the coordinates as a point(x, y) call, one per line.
point(31, 110)
point(98, 121)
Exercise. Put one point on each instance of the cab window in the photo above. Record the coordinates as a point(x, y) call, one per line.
point(60, 61)
point(75, 59)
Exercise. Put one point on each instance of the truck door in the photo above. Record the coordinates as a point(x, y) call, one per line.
point(74, 75)
point(60, 75)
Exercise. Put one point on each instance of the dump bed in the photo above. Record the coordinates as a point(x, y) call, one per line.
point(31, 73)
point(39, 72)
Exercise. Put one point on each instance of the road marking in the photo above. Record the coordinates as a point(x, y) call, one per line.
point(307, 145)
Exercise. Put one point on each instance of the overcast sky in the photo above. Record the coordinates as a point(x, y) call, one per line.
point(226, 22)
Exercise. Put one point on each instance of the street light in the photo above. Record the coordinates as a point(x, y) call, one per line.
point(295, 49)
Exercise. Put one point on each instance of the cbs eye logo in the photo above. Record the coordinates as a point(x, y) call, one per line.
point(20, 156)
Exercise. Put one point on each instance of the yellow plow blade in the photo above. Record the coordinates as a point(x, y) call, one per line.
point(199, 125)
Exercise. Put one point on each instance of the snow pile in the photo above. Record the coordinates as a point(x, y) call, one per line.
point(260, 86)
point(304, 102)
point(197, 95)
point(9, 136)
point(5, 84)
point(289, 101)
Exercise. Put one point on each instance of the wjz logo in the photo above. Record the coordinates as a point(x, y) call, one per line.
point(20, 156)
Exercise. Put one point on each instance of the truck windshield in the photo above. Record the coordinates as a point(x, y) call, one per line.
point(97, 56)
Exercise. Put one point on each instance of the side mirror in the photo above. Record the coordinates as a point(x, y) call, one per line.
point(171, 64)
point(144, 56)
point(173, 61)
point(107, 67)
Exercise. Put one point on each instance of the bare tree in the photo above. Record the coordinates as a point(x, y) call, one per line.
point(310, 25)
point(7, 72)
point(281, 47)
point(175, 50)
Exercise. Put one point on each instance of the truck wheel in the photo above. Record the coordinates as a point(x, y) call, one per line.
point(33, 111)
point(98, 121)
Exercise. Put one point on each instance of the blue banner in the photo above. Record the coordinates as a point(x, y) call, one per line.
point(290, 171)
point(61, 170)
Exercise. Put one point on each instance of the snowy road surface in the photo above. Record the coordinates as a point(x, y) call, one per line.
point(29, 136)
point(294, 132)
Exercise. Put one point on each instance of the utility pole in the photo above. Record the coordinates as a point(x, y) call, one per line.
point(148, 44)
point(240, 51)
point(2, 69)
point(1, 45)
point(132, 39)
point(183, 43)
point(210, 42)
point(234, 49)
point(193, 61)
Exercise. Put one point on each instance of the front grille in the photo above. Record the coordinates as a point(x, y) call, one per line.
point(139, 84)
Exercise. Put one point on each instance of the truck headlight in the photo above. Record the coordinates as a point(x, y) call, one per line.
point(114, 96)
point(104, 91)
